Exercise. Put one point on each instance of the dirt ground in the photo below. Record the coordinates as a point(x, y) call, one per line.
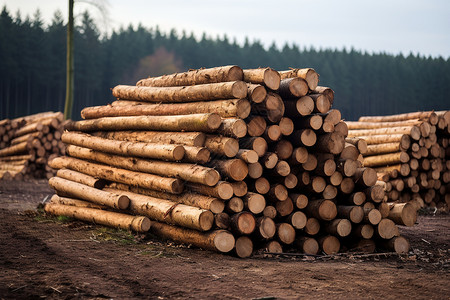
point(55, 258)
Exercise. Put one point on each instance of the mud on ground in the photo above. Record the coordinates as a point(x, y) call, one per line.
point(57, 258)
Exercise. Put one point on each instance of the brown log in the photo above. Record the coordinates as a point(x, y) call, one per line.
point(16, 158)
point(222, 146)
point(373, 125)
point(312, 226)
point(195, 139)
point(107, 218)
point(336, 178)
point(339, 227)
point(307, 245)
point(364, 231)
point(321, 103)
point(249, 156)
point(403, 214)
point(272, 133)
point(353, 213)
point(347, 185)
point(37, 134)
point(290, 181)
point(269, 160)
point(16, 149)
point(188, 172)
point(403, 169)
point(265, 228)
point(341, 128)
point(272, 247)
point(300, 200)
point(243, 247)
point(372, 216)
point(347, 167)
point(311, 163)
point(365, 177)
point(243, 223)
point(284, 208)
point(326, 165)
point(222, 190)
point(272, 108)
point(283, 149)
point(384, 148)
point(194, 122)
point(277, 192)
point(198, 155)
point(297, 219)
point(201, 92)
point(359, 143)
point(75, 202)
point(233, 128)
point(330, 143)
point(81, 178)
point(270, 211)
point(239, 188)
point(171, 185)
point(349, 152)
point(43, 125)
point(386, 229)
point(234, 205)
point(282, 168)
point(412, 131)
point(310, 75)
point(257, 144)
point(286, 126)
point(69, 188)
point(398, 244)
point(194, 77)
point(217, 240)
point(265, 76)
point(285, 233)
point(169, 212)
point(260, 186)
point(310, 122)
point(321, 209)
point(301, 107)
point(375, 193)
point(386, 159)
point(330, 192)
point(256, 92)
point(256, 125)
point(299, 156)
point(235, 169)
point(293, 88)
point(357, 198)
point(255, 170)
point(254, 202)
point(303, 137)
point(192, 199)
point(329, 244)
point(225, 108)
point(222, 220)
point(398, 117)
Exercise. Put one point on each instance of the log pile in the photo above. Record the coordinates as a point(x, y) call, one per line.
point(226, 159)
point(410, 154)
point(27, 143)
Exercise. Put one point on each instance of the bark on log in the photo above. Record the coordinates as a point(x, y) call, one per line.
point(303, 106)
point(188, 172)
point(107, 218)
point(195, 139)
point(293, 88)
point(398, 117)
point(81, 178)
point(412, 131)
point(310, 75)
point(174, 186)
point(321, 209)
point(224, 108)
point(217, 240)
point(233, 128)
point(69, 188)
point(235, 169)
point(194, 77)
point(168, 212)
point(330, 143)
point(222, 146)
point(194, 122)
point(75, 202)
point(266, 76)
point(403, 214)
point(222, 190)
point(201, 92)
point(386, 159)
point(139, 149)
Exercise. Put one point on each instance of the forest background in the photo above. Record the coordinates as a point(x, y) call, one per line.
point(33, 66)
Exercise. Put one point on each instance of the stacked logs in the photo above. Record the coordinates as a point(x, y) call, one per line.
point(226, 159)
point(27, 143)
point(410, 153)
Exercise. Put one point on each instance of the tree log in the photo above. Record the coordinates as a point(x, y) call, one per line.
point(321, 209)
point(81, 178)
point(266, 76)
point(233, 128)
point(403, 214)
point(195, 139)
point(293, 87)
point(386, 159)
point(303, 106)
point(243, 223)
point(310, 75)
point(107, 218)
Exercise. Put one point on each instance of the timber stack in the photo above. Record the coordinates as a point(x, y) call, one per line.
point(27, 143)
point(225, 159)
point(410, 154)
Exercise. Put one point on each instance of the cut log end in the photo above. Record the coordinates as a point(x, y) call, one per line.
point(286, 233)
point(244, 246)
point(330, 244)
point(224, 241)
point(266, 227)
point(272, 79)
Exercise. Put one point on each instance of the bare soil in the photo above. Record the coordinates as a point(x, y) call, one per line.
point(55, 258)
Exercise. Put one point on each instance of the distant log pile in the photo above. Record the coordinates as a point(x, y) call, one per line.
point(226, 159)
point(27, 143)
point(410, 154)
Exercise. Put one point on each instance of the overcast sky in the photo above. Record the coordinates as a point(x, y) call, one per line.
point(392, 26)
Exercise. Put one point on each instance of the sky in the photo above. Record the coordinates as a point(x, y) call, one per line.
point(391, 26)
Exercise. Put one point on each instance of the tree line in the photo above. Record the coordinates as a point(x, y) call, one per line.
point(33, 62)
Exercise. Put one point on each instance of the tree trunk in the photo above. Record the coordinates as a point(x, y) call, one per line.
point(195, 139)
point(266, 76)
